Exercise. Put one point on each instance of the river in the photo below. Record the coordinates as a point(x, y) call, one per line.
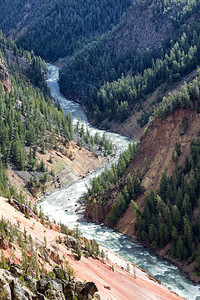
point(55, 205)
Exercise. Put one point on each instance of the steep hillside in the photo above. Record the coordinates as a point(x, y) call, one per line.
point(154, 45)
point(155, 155)
point(36, 148)
point(58, 28)
point(4, 76)
point(48, 259)
point(28, 117)
point(156, 195)
point(17, 15)
point(113, 57)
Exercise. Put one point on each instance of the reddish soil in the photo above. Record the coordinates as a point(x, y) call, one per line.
point(118, 284)
point(155, 155)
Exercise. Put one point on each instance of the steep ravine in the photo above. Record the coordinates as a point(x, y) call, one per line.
point(153, 158)
point(55, 205)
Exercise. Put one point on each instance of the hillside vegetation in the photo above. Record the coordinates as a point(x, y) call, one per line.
point(59, 27)
point(30, 121)
point(43, 260)
point(155, 44)
point(113, 54)
point(160, 184)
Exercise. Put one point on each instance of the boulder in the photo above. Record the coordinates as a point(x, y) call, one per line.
point(85, 291)
point(90, 288)
point(57, 285)
point(20, 293)
point(43, 284)
point(45, 288)
point(51, 288)
point(11, 288)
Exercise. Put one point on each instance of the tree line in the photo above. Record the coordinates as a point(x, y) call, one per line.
point(29, 120)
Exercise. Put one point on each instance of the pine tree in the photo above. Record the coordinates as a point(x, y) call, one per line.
point(3, 263)
point(181, 251)
point(176, 217)
point(186, 206)
point(102, 254)
point(163, 186)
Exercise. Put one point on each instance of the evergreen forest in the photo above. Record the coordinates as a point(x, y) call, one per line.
point(169, 215)
point(113, 56)
point(111, 80)
point(29, 120)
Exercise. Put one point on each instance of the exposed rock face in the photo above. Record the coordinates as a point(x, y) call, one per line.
point(70, 241)
point(24, 208)
point(3, 243)
point(45, 288)
point(48, 186)
point(61, 289)
point(11, 289)
point(5, 77)
point(95, 212)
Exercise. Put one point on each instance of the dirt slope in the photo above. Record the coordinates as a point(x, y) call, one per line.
point(155, 155)
point(68, 165)
point(130, 127)
point(123, 284)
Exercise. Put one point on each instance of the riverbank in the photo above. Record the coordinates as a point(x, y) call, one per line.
point(64, 166)
point(185, 268)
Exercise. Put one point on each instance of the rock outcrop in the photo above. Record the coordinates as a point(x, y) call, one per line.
point(5, 77)
point(96, 213)
point(11, 287)
point(24, 208)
